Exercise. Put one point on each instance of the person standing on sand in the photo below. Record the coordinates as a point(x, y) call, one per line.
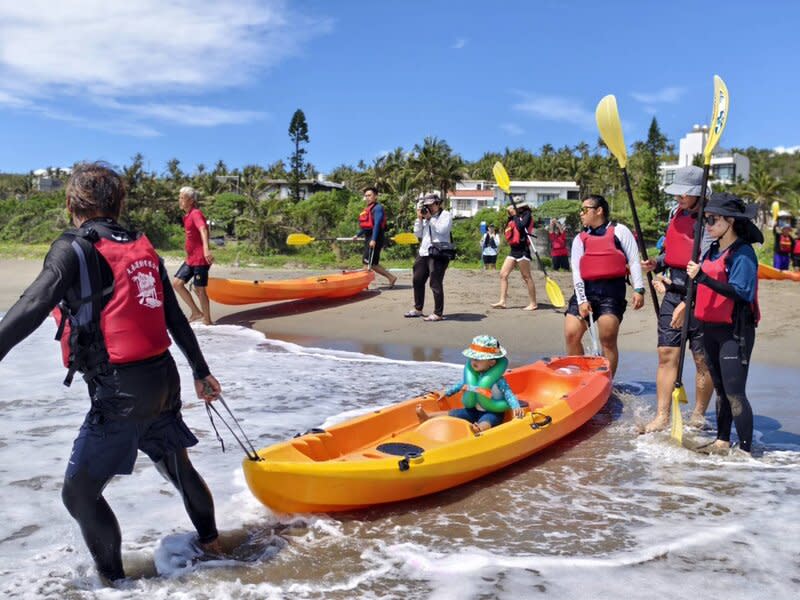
point(490, 242)
point(558, 245)
point(601, 257)
point(727, 308)
point(432, 226)
point(372, 223)
point(198, 257)
point(115, 307)
point(677, 253)
point(520, 225)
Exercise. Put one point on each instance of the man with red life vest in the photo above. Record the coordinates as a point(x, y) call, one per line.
point(601, 256)
point(372, 223)
point(558, 245)
point(727, 307)
point(784, 245)
point(198, 257)
point(796, 251)
point(519, 227)
point(115, 307)
point(677, 253)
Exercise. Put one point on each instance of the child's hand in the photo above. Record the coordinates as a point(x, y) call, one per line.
point(519, 413)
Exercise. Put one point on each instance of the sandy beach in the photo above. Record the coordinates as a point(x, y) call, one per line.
point(373, 321)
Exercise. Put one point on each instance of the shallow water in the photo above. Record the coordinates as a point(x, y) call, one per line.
point(602, 514)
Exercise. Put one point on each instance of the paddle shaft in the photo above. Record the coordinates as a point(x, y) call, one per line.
point(640, 237)
point(690, 286)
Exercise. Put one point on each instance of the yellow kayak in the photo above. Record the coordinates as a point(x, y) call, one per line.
point(388, 455)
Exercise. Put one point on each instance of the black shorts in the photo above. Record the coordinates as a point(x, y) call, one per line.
point(560, 262)
point(372, 256)
point(489, 259)
point(796, 261)
point(601, 305)
point(670, 337)
point(519, 253)
point(200, 274)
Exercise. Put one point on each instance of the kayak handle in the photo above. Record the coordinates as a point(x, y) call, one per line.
point(544, 422)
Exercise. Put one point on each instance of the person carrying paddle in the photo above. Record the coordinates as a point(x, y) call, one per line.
point(727, 308)
point(115, 307)
point(601, 256)
point(487, 395)
point(198, 257)
point(519, 226)
point(372, 223)
point(677, 254)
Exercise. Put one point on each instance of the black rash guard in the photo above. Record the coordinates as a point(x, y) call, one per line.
point(60, 275)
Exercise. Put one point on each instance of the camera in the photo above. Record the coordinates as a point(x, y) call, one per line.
point(424, 209)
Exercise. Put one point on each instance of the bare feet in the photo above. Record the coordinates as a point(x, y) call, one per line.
point(392, 281)
point(500, 304)
point(531, 306)
point(697, 421)
point(421, 414)
point(480, 427)
point(660, 423)
point(212, 548)
point(207, 321)
point(195, 317)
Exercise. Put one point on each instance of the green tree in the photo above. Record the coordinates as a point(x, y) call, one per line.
point(650, 154)
point(763, 189)
point(298, 133)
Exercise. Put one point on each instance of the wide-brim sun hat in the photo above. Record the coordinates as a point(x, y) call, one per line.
point(688, 182)
point(725, 204)
point(484, 347)
point(431, 199)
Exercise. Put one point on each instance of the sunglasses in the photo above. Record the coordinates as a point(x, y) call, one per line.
point(585, 209)
point(712, 219)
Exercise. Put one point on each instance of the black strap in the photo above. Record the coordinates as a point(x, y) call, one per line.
point(209, 407)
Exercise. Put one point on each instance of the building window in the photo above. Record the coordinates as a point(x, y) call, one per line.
point(669, 177)
point(573, 195)
point(546, 197)
point(724, 172)
point(463, 204)
point(482, 204)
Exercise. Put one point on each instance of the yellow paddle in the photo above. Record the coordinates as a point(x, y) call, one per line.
point(301, 239)
point(550, 286)
point(610, 128)
point(719, 117)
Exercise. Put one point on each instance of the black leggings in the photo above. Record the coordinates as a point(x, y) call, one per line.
point(425, 267)
point(724, 358)
point(83, 497)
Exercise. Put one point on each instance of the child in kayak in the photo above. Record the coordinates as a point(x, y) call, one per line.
point(487, 394)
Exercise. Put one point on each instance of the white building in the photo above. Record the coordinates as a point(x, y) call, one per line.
point(470, 196)
point(49, 179)
point(308, 187)
point(726, 167)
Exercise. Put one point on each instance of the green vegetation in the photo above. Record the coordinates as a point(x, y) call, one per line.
point(254, 224)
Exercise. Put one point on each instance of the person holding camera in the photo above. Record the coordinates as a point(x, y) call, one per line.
point(432, 227)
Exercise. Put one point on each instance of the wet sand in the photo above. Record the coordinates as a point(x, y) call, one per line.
point(373, 321)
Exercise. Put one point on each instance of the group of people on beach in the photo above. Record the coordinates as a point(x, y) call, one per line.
point(117, 309)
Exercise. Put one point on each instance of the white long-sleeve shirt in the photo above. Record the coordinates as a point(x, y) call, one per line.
point(438, 226)
point(629, 247)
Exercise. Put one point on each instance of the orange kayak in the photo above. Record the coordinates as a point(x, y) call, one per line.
point(767, 272)
point(388, 455)
point(239, 291)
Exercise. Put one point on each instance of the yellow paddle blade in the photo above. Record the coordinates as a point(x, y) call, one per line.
point(676, 429)
point(554, 293)
point(610, 128)
point(775, 208)
point(405, 238)
point(298, 239)
point(719, 117)
point(501, 177)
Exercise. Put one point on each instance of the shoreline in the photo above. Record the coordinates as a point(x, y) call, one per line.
point(373, 322)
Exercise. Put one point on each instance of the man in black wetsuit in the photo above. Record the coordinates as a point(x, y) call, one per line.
point(115, 307)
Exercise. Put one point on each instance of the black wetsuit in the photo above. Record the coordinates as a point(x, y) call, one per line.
point(134, 406)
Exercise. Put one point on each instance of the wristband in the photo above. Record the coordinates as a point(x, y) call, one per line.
point(639, 290)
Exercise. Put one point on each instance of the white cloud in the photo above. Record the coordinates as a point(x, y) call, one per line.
point(787, 150)
point(557, 108)
point(512, 129)
point(666, 95)
point(459, 43)
point(92, 49)
point(187, 114)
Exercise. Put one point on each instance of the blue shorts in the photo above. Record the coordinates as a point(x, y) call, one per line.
point(199, 272)
point(473, 415)
point(108, 447)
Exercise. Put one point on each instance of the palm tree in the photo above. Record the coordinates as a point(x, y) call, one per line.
point(763, 189)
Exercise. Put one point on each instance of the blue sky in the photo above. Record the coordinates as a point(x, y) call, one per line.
point(202, 80)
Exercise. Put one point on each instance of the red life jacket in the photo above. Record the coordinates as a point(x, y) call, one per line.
point(679, 240)
point(131, 326)
point(602, 259)
point(512, 232)
point(796, 249)
point(785, 244)
point(558, 244)
point(711, 307)
point(366, 220)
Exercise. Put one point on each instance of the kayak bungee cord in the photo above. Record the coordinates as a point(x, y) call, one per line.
point(209, 407)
